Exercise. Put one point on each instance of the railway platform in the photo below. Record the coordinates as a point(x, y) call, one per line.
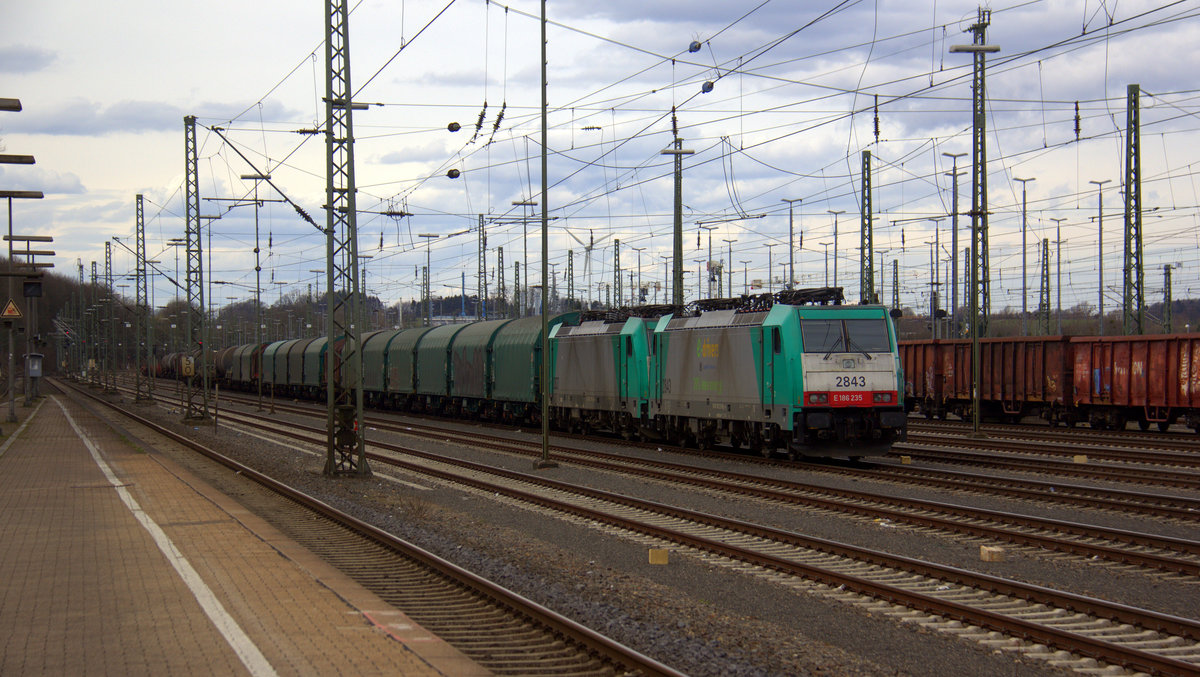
point(114, 560)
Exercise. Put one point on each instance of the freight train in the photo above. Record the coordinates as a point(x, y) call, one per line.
point(794, 373)
point(1105, 381)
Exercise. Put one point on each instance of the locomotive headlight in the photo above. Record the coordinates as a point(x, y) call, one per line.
point(882, 398)
point(818, 398)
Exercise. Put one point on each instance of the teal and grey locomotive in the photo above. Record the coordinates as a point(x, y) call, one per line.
point(795, 372)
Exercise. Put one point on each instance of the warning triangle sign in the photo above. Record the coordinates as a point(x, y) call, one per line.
point(11, 310)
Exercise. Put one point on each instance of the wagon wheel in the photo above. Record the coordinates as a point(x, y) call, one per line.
point(1163, 425)
point(1143, 424)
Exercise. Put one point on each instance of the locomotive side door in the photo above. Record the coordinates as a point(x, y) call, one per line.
point(624, 352)
point(767, 345)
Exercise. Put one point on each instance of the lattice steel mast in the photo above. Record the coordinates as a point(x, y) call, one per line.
point(196, 404)
point(345, 450)
point(617, 271)
point(110, 341)
point(94, 328)
point(980, 299)
point(1166, 313)
point(1134, 314)
point(501, 291)
point(144, 389)
point(867, 249)
point(481, 308)
point(1044, 294)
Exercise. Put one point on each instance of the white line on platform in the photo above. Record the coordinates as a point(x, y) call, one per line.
point(241, 644)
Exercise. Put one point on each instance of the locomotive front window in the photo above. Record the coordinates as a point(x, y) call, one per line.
point(822, 336)
point(868, 336)
point(857, 336)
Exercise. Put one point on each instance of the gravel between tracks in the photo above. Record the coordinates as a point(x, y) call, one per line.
point(701, 618)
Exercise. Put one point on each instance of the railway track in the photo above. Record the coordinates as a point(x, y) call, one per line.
point(506, 633)
point(1174, 441)
point(1090, 541)
point(1028, 618)
point(1057, 447)
point(1023, 488)
point(1027, 462)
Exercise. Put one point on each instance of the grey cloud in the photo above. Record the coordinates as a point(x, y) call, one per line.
point(24, 59)
point(79, 117)
point(35, 178)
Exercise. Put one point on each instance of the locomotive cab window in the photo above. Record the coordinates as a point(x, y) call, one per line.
point(868, 336)
point(859, 336)
point(822, 336)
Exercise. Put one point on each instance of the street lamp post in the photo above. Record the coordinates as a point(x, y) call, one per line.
point(638, 293)
point(429, 238)
point(770, 283)
point(791, 241)
point(835, 213)
point(12, 406)
point(954, 173)
point(1058, 243)
point(258, 338)
point(1100, 250)
point(151, 266)
point(730, 243)
point(1024, 274)
point(29, 269)
point(677, 274)
point(525, 244)
point(708, 265)
point(317, 272)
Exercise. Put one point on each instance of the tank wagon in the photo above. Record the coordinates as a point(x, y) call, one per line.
point(1105, 381)
point(794, 372)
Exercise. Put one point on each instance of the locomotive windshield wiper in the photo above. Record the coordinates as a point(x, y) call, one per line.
point(833, 347)
point(857, 348)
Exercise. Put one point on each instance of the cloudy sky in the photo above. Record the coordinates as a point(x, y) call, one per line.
point(798, 92)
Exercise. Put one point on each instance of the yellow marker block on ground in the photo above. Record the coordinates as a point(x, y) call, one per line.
point(1080, 458)
point(905, 460)
point(658, 556)
point(991, 553)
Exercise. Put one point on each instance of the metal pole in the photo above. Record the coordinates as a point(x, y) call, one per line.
point(12, 395)
point(1024, 275)
point(545, 462)
point(258, 323)
point(1058, 242)
point(835, 213)
point(980, 292)
point(954, 244)
point(791, 243)
point(730, 264)
point(1100, 250)
point(770, 282)
point(677, 268)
